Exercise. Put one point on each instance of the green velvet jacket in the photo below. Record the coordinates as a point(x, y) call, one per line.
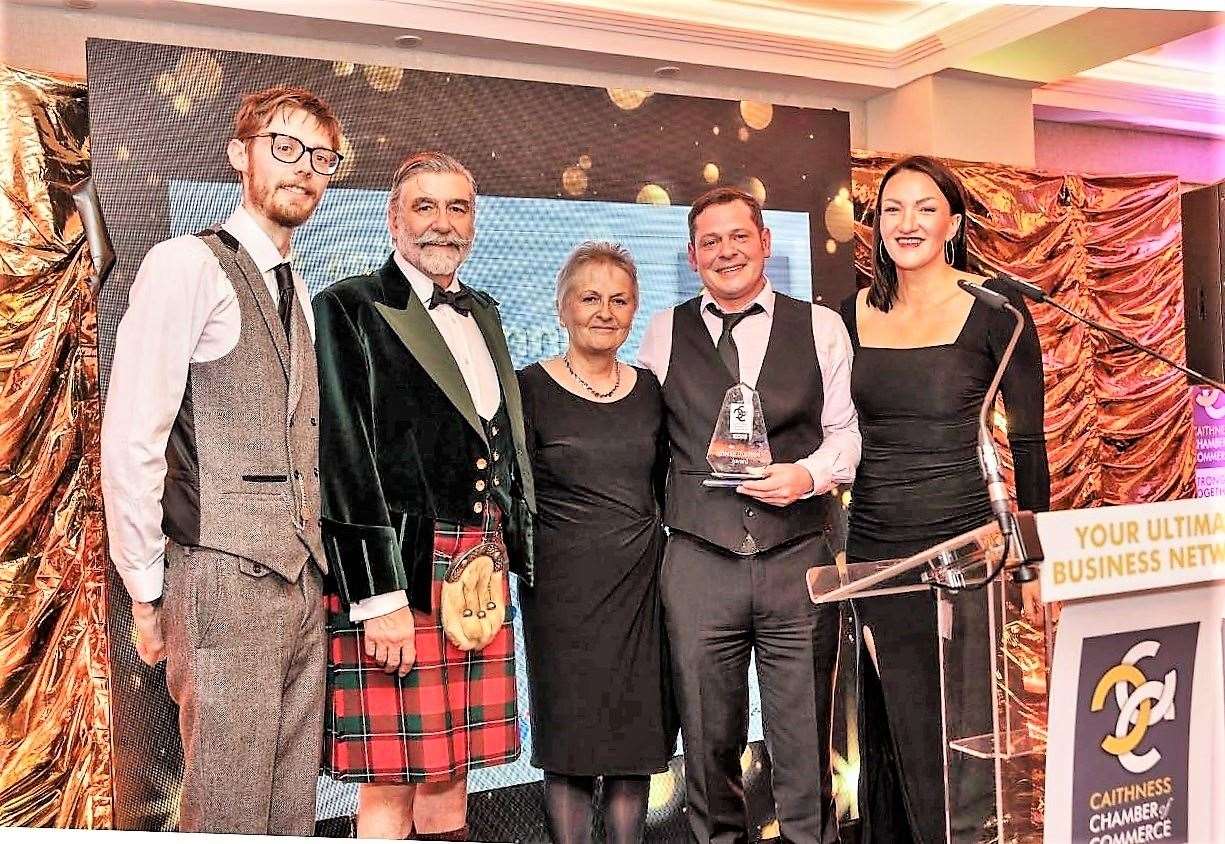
point(401, 446)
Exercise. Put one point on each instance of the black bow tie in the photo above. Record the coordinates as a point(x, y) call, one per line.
point(460, 300)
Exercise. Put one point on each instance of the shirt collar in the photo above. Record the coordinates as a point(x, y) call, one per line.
point(254, 239)
point(421, 283)
point(765, 298)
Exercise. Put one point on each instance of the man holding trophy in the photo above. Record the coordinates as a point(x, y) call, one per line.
point(761, 427)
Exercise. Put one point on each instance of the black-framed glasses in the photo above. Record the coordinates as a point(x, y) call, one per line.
point(288, 149)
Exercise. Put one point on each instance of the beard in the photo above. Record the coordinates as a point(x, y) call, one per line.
point(284, 209)
point(432, 261)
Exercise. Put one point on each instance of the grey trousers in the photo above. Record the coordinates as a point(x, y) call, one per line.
point(246, 663)
point(720, 609)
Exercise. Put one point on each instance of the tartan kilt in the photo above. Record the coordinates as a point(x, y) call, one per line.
point(453, 712)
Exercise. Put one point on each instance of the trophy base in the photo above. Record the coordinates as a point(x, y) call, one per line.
point(729, 479)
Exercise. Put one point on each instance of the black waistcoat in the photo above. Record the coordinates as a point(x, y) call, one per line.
point(790, 388)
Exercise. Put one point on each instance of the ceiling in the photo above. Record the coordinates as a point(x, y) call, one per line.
point(1112, 65)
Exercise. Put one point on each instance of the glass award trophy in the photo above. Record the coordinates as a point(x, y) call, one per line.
point(739, 450)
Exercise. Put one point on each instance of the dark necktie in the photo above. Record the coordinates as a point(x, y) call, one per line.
point(284, 290)
point(727, 345)
point(460, 300)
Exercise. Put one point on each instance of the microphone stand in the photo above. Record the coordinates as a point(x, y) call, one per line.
point(1036, 293)
point(988, 458)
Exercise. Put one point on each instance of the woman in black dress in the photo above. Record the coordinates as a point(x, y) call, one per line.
point(925, 354)
point(593, 624)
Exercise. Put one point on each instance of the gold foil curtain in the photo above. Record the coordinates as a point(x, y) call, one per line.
point(55, 755)
point(1118, 424)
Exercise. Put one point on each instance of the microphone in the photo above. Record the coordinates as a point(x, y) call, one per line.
point(1029, 291)
point(990, 298)
point(1032, 291)
point(988, 458)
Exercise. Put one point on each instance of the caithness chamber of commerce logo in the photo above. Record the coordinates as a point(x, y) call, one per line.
point(1141, 702)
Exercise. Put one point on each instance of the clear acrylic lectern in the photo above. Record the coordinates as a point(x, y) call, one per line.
point(994, 664)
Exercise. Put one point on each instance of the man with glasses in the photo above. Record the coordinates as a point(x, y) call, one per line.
point(210, 479)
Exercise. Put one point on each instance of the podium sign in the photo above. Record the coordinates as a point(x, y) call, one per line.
point(1137, 690)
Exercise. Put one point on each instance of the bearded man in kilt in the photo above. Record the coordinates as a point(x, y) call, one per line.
point(427, 496)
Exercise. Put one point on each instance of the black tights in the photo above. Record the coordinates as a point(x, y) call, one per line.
point(568, 803)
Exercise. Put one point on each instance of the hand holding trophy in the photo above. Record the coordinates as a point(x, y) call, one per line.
point(739, 449)
point(473, 607)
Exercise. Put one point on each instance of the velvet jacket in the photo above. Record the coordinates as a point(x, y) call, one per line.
point(401, 447)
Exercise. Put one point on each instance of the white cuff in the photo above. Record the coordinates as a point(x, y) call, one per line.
point(145, 584)
point(378, 605)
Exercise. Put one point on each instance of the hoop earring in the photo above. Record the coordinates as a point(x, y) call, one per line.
point(948, 252)
point(880, 250)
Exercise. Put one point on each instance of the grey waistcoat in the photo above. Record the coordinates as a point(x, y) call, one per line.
point(243, 455)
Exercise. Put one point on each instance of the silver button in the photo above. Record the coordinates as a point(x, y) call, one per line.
point(479, 486)
point(493, 430)
point(478, 507)
point(481, 463)
point(497, 481)
point(497, 456)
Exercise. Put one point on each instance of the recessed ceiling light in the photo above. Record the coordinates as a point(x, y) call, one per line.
point(667, 71)
point(408, 41)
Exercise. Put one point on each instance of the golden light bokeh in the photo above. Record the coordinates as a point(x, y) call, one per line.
point(714, 130)
point(756, 187)
point(652, 194)
point(710, 173)
point(201, 72)
point(196, 77)
point(343, 68)
point(756, 115)
point(840, 217)
point(382, 78)
point(628, 99)
point(662, 790)
point(831, 246)
point(742, 133)
point(584, 161)
point(574, 180)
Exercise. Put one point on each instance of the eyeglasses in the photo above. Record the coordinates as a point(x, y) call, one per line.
point(288, 149)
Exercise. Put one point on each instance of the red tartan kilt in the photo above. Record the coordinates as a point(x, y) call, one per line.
point(455, 711)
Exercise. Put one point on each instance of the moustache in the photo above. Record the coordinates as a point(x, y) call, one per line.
point(306, 189)
point(435, 239)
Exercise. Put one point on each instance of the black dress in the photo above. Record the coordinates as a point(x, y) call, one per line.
point(918, 484)
point(593, 622)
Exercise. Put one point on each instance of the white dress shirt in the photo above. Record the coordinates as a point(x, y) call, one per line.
point(182, 309)
point(467, 344)
point(838, 455)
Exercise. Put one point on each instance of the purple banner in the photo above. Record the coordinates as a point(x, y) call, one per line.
point(1209, 415)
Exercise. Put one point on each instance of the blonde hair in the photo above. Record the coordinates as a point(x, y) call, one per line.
point(594, 252)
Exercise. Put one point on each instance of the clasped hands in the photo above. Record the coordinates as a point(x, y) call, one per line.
point(784, 483)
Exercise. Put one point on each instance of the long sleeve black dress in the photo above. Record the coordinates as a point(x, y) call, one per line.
point(918, 484)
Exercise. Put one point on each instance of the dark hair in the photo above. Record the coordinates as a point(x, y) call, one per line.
point(722, 196)
point(883, 291)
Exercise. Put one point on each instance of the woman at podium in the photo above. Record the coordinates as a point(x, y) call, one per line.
point(925, 354)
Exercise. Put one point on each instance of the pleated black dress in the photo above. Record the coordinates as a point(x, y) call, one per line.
point(593, 622)
point(918, 484)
